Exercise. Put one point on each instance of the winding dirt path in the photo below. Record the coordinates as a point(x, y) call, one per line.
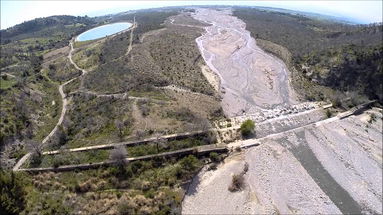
point(63, 109)
point(131, 37)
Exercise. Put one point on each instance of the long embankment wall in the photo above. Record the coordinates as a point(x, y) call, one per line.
point(199, 151)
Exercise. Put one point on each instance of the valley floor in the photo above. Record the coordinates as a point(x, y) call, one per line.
point(330, 167)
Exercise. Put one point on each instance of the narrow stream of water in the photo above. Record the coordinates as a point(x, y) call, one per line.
point(324, 180)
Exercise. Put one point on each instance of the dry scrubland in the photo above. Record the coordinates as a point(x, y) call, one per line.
point(159, 58)
point(167, 93)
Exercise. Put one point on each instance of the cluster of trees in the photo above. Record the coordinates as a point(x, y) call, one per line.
point(177, 56)
point(90, 115)
point(122, 72)
point(301, 35)
point(357, 68)
point(12, 193)
point(114, 48)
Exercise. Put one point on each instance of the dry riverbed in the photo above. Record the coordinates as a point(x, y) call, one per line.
point(251, 80)
point(331, 167)
point(328, 168)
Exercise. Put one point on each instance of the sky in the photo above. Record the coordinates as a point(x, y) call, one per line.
point(15, 11)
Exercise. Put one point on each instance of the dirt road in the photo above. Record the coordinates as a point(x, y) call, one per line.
point(63, 109)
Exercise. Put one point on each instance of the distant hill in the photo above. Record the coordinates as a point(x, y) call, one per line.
point(318, 16)
point(45, 27)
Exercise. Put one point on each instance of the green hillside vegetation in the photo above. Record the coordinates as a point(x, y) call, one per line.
point(27, 109)
point(91, 121)
point(321, 53)
point(139, 187)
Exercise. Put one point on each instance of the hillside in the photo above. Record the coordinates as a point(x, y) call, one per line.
point(143, 83)
point(26, 89)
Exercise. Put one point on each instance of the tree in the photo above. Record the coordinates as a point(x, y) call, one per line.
point(61, 136)
point(120, 127)
point(118, 155)
point(12, 193)
point(160, 141)
point(237, 183)
point(35, 148)
point(238, 180)
point(140, 134)
point(247, 128)
point(211, 137)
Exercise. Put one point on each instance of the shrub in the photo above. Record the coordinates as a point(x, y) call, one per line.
point(245, 168)
point(247, 128)
point(118, 155)
point(126, 206)
point(336, 100)
point(214, 156)
point(58, 161)
point(213, 166)
point(328, 113)
point(372, 118)
point(189, 163)
point(237, 183)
